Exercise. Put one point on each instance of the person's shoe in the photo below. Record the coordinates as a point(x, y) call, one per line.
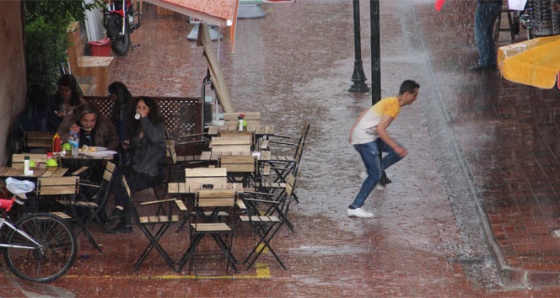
point(384, 179)
point(359, 212)
point(117, 213)
point(104, 219)
point(121, 229)
point(379, 186)
point(479, 67)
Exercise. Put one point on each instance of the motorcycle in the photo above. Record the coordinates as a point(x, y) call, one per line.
point(120, 20)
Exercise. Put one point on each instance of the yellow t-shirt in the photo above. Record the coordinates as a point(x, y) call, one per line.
point(365, 129)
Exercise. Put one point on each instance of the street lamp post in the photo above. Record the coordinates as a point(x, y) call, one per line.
point(358, 77)
point(375, 52)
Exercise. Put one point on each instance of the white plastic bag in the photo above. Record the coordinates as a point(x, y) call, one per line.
point(18, 187)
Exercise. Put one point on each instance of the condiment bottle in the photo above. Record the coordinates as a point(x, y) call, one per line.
point(56, 143)
point(74, 141)
point(240, 123)
point(26, 170)
point(244, 122)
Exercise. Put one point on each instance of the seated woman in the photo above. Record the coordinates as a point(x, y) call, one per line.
point(123, 107)
point(67, 98)
point(123, 104)
point(93, 128)
point(146, 144)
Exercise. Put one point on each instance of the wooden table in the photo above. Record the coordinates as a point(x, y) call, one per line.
point(82, 156)
point(258, 130)
point(95, 165)
point(181, 188)
point(214, 156)
point(6, 172)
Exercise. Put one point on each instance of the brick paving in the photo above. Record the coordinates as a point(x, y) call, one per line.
point(508, 135)
point(481, 164)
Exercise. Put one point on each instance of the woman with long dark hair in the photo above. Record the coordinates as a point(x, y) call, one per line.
point(145, 141)
point(123, 103)
point(67, 97)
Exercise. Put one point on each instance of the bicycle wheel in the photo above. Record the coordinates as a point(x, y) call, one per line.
point(119, 43)
point(46, 262)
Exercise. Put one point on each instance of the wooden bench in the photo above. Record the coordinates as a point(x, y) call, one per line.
point(88, 66)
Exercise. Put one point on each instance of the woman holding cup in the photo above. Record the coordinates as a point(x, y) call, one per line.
point(145, 144)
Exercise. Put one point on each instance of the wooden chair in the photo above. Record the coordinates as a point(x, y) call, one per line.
point(37, 139)
point(66, 189)
point(232, 145)
point(93, 197)
point(266, 221)
point(240, 168)
point(208, 204)
point(239, 134)
point(275, 188)
point(205, 178)
point(284, 165)
point(146, 224)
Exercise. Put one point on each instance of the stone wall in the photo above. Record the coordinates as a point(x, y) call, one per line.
point(12, 70)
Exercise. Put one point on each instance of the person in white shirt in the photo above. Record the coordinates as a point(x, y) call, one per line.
point(370, 137)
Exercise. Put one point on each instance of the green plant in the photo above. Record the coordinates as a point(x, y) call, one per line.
point(45, 38)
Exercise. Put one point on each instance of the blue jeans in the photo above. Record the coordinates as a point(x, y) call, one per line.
point(484, 19)
point(374, 166)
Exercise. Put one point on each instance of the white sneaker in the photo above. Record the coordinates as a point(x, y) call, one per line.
point(359, 212)
point(379, 186)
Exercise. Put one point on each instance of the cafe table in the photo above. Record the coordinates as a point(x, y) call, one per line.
point(17, 172)
point(260, 131)
point(79, 162)
point(213, 156)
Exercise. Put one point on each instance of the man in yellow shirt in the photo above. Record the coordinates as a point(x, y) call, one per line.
point(370, 137)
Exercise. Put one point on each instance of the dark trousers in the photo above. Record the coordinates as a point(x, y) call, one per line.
point(136, 182)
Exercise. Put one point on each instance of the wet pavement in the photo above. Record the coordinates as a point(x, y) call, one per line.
point(470, 210)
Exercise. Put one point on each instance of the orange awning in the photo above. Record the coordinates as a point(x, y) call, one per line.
point(221, 13)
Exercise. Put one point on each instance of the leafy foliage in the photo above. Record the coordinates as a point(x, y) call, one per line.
point(45, 38)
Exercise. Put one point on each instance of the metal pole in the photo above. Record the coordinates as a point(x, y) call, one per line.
point(358, 77)
point(375, 52)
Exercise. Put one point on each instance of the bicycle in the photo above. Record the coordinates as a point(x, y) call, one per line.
point(40, 247)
